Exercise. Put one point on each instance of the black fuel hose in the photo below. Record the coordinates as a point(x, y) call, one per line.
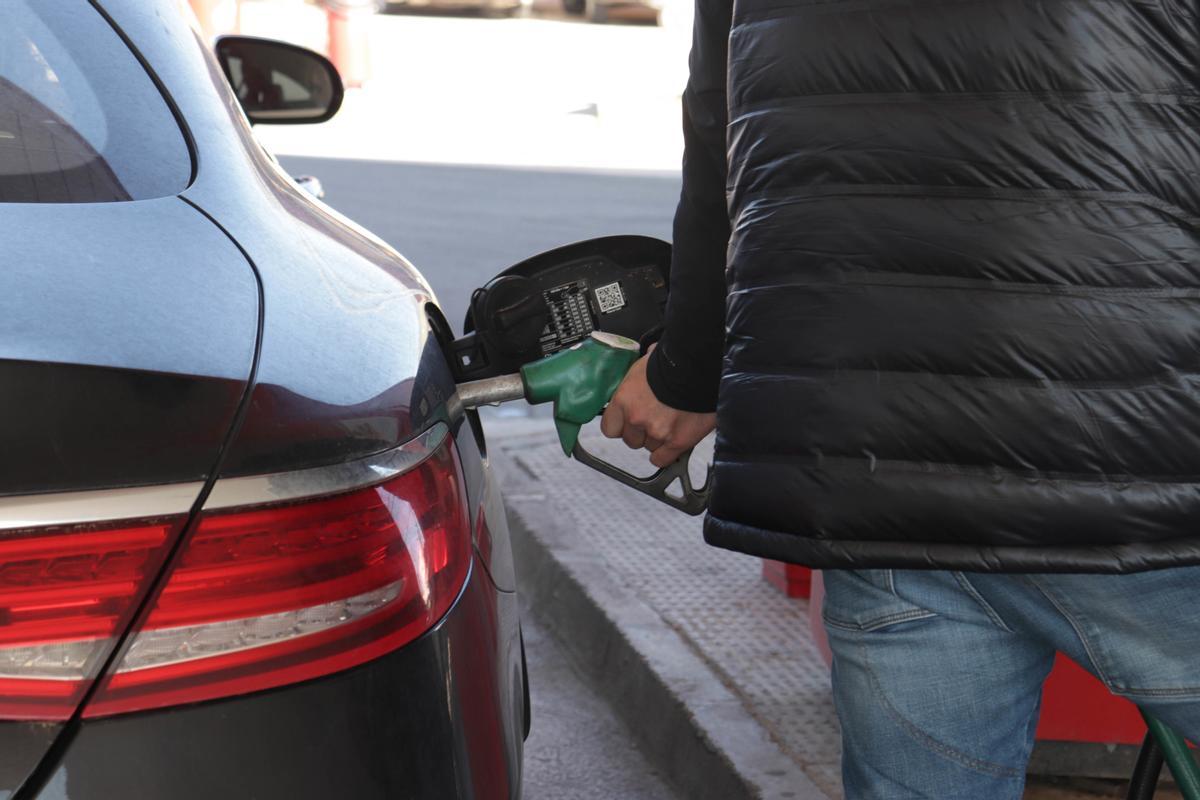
point(1149, 766)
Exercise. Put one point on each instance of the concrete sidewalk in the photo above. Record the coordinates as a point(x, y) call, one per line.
point(714, 671)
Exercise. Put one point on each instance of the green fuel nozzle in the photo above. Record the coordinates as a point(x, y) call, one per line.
point(580, 381)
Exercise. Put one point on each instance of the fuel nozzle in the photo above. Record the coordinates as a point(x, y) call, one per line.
point(580, 381)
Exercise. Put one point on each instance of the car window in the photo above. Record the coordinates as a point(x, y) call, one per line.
point(80, 120)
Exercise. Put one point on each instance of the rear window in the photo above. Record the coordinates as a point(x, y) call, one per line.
point(80, 120)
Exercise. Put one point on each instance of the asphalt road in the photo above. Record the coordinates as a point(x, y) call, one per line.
point(577, 749)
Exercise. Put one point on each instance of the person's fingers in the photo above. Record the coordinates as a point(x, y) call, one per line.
point(613, 420)
point(633, 436)
point(665, 456)
point(652, 444)
point(658, 428)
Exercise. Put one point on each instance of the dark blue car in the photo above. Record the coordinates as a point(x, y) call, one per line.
point(249, 542)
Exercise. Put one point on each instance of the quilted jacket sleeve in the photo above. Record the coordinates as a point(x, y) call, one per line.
point(685, 369)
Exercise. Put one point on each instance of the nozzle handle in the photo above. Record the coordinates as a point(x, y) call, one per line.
point(579, 381)
point(691, 500)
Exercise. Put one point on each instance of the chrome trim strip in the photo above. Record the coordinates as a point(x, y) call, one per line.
point(332, 479)
point(142, 502)
point(99, 505)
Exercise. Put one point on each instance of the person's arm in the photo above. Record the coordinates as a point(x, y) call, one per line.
point(685, 369)
point(666, 401)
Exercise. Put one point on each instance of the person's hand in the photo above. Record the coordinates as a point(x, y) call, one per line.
point(635, 415)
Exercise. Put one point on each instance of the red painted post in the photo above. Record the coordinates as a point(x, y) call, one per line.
point(349, 42)
point(791, 579)
point(207, 13)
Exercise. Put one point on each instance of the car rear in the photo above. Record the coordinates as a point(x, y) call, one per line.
point(308, 639)
point(246, 549)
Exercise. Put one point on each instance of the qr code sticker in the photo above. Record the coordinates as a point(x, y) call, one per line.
point(610, 298)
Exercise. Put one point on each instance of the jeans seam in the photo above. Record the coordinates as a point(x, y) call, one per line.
point(880, 622)
point(984, 767)
point(1186, 692)
point(970, 589)
point(1087, 645)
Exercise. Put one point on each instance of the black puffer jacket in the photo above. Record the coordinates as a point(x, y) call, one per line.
point(962, 321)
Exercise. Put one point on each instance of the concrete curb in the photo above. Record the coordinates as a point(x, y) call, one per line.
point(686, 721)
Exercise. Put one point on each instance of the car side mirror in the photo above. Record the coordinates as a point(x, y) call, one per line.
point(280, 83)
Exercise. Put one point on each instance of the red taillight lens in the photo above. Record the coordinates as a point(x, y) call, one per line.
point(64, 595)
point(269, 596)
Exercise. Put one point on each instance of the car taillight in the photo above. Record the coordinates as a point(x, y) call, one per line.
point(269, 596)
point(257, 597)
point(65, 593)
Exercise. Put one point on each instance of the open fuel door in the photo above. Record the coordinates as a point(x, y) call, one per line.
point(564, 327)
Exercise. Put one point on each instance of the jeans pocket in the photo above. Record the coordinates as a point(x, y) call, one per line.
point(866, 600)
point(1140, 633)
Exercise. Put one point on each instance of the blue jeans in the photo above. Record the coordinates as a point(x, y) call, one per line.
point(937, 675)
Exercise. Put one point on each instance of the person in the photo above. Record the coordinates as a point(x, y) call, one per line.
point(937, 272)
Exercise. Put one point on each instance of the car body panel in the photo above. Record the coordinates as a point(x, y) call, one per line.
point(344, 324)
point(127, 339)
point(493, 545)
point(25, 745)
point(127, 335)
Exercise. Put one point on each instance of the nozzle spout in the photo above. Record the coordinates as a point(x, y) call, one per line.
point(489, 391)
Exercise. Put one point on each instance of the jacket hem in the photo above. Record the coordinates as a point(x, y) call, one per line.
point(861, 554)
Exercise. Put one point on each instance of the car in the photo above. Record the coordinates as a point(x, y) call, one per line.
point(487, 8)
point(601, 11)
point(250, 543)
